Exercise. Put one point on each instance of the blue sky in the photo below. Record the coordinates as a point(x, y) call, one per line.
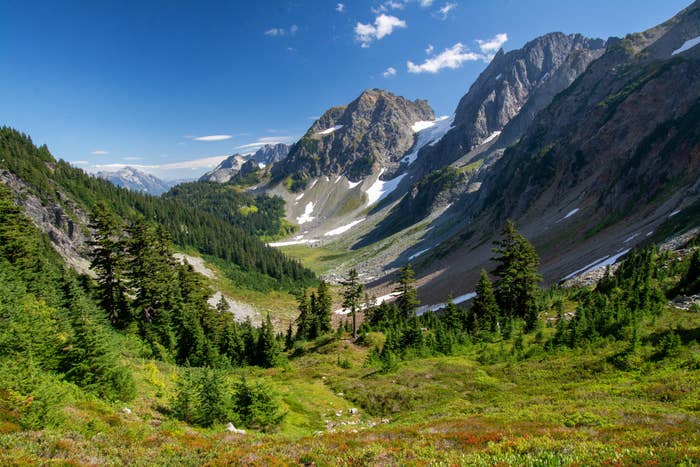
point(173, 86)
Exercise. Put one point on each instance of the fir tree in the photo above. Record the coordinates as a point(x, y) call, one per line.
point(267, 349)
point(305, 317)
point(352, 296)
point(407, 298)
point(107, 261)
point(485, 309)
point(518, 276)
point(324, 304)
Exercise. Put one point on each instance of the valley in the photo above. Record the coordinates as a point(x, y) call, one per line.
point(515, 283)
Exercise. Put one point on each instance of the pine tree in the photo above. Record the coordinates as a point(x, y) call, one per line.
point(324, 304)
point(108, 263)
point(305, 317)
point(407, 299)
point(518, 276)
point(267, 349)
point(485, 308)
point(352, 296)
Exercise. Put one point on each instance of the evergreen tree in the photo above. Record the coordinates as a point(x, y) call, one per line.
point(255, 406)
point(518, 276)
point(305, 316)
point(407, 299)
point(324, 304)
point(485, 309)
point(267, 350)
point(352, 296)
point(107, 261)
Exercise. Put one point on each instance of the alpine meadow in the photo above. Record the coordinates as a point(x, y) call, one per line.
point(405, 232)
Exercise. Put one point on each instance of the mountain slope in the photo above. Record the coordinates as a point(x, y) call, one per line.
point(600, 169)
point(523, 80)
point(60, 198)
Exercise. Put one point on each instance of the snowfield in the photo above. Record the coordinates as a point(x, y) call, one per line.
point(343, 228)
point(429, 132)
point(491, 137)
point(439, 306)
point(687, 46)
point(329, 130)
point(380, 189)
point(416, 255)
point(306, 217)
point(603, 262)
point(569, 214)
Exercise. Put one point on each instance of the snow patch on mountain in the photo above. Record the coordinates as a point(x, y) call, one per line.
point(569, 214)
point(328, 131)
point(491, 137)
point(416, 255)
point(687, 45)
point(603, 262)
point(306, 217)
point(429, 132)
point(439, 306)
point(343, 228)
point(381, 188)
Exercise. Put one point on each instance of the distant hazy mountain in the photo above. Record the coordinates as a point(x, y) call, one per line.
point(266, 155)
point(137, 180)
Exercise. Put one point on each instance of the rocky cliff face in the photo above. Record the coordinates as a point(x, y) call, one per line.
point(515, 85)
point(64, 223)
point(373, 130)
point(229, 167)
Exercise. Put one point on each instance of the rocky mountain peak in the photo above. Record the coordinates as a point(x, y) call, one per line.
point(373, 130)
point(136, 180)
point(266, 155)
point(515, 85)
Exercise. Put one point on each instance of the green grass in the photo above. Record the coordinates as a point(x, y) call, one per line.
point(485, 406)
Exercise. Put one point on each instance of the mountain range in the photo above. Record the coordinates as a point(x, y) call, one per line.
point(138, 180)
point(590, 145)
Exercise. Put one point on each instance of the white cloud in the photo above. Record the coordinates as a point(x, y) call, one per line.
point(132, 158)
point(494, 44)
point(203, 163)
point(389, 72)
point(100, 152)
point(445, 10)
point(426, 3)
point(267, 140)
point(452, 58)
point(388, 5)
point(340, 8)
point(275, 32)
point(212, 138)
point(79, 162)
point(383, 26)
point(429, 49)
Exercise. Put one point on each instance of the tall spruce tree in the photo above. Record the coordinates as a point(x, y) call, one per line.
point(518, 276)
point(352, 297)
point(407, 299)
point(305, 317)
point(485, 311)
point(324, 304)
point(268, 351)
point(107, 260)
